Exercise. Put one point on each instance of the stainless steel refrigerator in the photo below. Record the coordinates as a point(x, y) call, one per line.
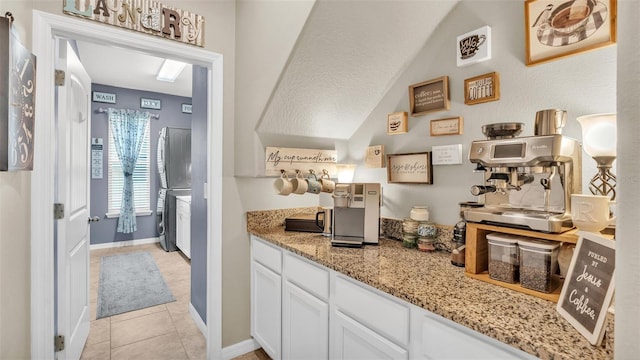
point(174, 169)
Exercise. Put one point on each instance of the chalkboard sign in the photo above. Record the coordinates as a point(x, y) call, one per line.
point(588, 287)
point(428, 96)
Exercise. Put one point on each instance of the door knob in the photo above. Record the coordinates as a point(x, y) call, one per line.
point(94, 219)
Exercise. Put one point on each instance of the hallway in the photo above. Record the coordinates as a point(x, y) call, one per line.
point(164, 331)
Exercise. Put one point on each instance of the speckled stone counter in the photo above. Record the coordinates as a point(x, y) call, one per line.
point(428, 280)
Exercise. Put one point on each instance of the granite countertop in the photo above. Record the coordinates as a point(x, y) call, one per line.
point(428, 280)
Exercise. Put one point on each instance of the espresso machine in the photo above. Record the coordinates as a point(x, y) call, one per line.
point(528, 181)
point(356, 214)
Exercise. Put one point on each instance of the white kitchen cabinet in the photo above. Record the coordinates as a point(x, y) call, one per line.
point(352, 340)
point(266, 305)
point(305, 309)
point(266, 296)
point(301, 310)
point(305, 325)
point(435, 337)
point(183, 224)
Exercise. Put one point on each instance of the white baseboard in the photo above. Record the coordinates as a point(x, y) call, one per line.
point(198, 320)
point(240, 348)
point(124, 243)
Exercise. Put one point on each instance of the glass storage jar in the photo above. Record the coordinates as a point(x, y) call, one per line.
point(538, 264)
point(409, 240)
point(419, 213)
point(427, 229)
point(503, 257)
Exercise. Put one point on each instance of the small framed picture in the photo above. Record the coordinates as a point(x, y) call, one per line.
point(150, 104)
point(429, 96)
point(481, 89)
point(474, 46)
point(448, 126)
point(375, 156)
point(397, 123)
point(556, 28)
point(186, 108)
point(410, 168)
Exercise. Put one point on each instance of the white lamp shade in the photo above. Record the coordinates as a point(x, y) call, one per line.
point(345, 172)
point(599, 136)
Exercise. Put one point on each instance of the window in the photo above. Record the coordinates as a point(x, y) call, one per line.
point(141, 179)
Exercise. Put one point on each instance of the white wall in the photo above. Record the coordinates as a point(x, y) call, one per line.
point(15, 233)
point(581, 84)
point(627, 326)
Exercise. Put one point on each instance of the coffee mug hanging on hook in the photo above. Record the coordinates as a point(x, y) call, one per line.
point(314, 186)
point(328, 185)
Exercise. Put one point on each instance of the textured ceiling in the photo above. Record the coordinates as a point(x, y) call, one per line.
point(130, 69)
point(347, 56)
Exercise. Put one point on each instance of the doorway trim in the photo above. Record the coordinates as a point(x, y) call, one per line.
point(46, 28)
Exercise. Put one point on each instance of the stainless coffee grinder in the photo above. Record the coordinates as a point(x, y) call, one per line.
point(356, 214)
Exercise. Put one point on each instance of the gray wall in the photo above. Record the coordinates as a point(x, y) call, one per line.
point(582, 84)
point(171, 114)
point(198, 201)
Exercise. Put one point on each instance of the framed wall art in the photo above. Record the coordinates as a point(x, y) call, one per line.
point(429, 96)
point(150, 104)
point(474, 47)
point(448, 126)
point(411, 168)
point(483, 88)
point(375, 156)
point(559, 28)
point(17, 101)
point(397, 123)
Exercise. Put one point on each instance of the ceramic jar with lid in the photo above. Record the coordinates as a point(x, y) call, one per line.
point(419, 213)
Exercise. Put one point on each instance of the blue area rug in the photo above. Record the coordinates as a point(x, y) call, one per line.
point(130, 282)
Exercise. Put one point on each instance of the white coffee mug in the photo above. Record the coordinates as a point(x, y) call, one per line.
point(283, 185)
point(328, 185)
point(300, 185)
point(590, 212)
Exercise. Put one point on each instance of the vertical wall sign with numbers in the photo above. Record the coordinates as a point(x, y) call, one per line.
point(17, 101)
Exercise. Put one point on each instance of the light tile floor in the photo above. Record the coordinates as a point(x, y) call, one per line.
point(254, 355)
point(165, 331)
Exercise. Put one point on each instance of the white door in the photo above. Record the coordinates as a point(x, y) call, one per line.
point(353, 341)
point(72, 189)
point(305, 325)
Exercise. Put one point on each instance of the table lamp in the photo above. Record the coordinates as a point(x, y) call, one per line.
point(599, 141)
point(345, 172)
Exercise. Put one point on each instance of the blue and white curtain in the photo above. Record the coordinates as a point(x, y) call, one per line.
point(128, 129)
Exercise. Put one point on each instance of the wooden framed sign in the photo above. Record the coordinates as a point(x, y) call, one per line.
point(397, 123)
point(290, 160)
point(375, 156)
point(483, 88)
point(410, 168)
point(448, 126)
point(588, 287)
point(429, 96)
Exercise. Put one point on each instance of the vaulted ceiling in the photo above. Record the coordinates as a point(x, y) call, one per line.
point(347, 56)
